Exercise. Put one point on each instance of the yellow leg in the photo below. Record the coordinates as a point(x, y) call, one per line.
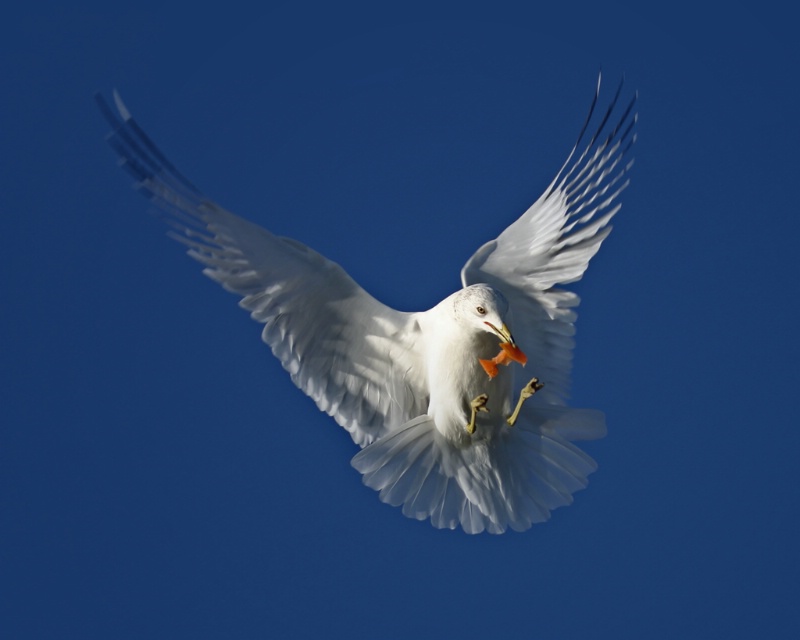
point(478, 404)
point(527, 391)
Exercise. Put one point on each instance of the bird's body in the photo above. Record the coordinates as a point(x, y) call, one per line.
point(429, 396)
point(453, 347)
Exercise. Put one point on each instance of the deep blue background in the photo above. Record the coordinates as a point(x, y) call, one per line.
point(162, 478)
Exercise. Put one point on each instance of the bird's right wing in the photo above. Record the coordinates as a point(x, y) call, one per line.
point(354, 356)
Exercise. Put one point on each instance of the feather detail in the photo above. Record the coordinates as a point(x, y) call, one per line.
point(511, 481)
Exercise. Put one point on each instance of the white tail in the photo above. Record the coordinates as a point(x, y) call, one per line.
point(513, 480)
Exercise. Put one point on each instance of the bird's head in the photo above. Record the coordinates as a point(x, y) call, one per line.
point(483, 309)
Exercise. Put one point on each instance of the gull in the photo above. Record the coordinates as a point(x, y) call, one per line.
point(450, 427)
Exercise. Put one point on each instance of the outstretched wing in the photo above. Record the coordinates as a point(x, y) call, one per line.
point(354, 356)
point(552, 243)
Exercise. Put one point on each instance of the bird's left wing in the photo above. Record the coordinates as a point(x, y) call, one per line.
point(354, 356)
point(553, 241)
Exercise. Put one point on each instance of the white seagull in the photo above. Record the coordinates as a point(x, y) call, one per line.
point(447, 432)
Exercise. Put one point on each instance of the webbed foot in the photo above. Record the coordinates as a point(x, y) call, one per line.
point(478, 404)
point(527, 391)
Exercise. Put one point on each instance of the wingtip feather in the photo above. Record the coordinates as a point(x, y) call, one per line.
point(121, 108)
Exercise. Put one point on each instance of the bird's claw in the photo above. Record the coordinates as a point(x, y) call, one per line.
point(527, 391)
point(476, 405)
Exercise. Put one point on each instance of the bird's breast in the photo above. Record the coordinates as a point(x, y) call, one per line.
point(455, 378)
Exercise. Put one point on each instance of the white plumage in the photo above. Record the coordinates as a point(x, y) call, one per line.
point(402, 383)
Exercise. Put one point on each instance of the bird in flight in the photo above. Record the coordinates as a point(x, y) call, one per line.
point(460, 411)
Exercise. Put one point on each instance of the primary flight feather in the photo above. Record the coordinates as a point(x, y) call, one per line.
point(450, 427)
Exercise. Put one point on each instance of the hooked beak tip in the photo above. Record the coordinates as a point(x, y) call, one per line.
point(503, 332)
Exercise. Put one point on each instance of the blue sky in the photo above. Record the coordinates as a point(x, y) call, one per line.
point(161, 477)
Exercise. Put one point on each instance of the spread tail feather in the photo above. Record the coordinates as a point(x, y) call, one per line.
point(510, 481)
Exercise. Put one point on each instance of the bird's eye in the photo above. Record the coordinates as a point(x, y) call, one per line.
point(480, 310)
